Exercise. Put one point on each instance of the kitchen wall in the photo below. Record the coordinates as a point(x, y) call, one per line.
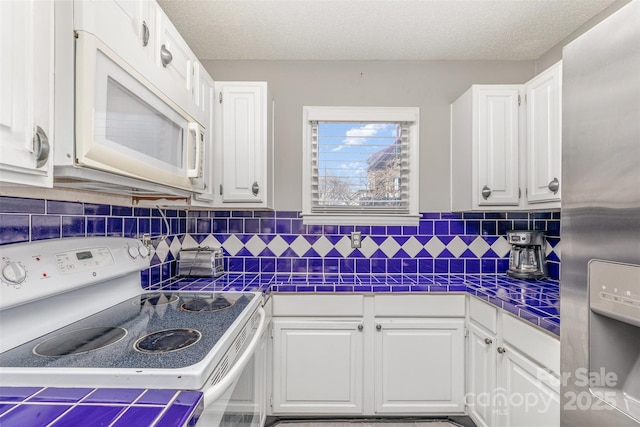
point(278, 242)
point(554, 54)
point(430, 85)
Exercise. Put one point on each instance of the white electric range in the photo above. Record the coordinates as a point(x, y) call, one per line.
point(73, 314)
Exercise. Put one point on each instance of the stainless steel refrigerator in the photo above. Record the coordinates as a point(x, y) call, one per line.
point(600, 278)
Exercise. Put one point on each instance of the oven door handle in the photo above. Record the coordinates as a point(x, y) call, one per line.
point(214, 393)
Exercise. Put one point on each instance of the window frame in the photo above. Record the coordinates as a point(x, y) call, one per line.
point(366, 115)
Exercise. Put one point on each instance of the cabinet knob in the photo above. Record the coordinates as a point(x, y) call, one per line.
point(255, 188)
point(145, 33)
point(488, 341)
point(378, 327)
point(41, 147)
point(165, 56)
point(486, 192)
point(501, 350)
point(554, 185)
point(360, 327)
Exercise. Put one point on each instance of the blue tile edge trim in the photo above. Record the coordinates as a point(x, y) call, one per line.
point(21, 404)
point(537, 302)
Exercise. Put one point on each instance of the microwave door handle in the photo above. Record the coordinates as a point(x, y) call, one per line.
point(195, 143)
point(214, 393)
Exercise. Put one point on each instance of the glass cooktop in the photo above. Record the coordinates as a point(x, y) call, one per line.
point(153, 330)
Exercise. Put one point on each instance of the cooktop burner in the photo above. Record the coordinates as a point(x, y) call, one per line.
point(207, 305)
point(79, 341)
point(168, 340)
point(137, 321)
point(157, 299)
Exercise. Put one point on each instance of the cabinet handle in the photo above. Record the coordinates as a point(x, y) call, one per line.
point(488, 341)
point(378, 327)
point(554, 185)
point(255, 188)
point(145, 33)
point(41, 147)
point(486, 192)
point(360, 327)
point(165, 56)
point(501, 350)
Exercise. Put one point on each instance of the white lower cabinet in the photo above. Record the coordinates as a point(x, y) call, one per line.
point(418, 366)
point(529, 394)
point(404, 355)
point(513, 371)
point(349, 354)
point(317, 366)
point(481, 377)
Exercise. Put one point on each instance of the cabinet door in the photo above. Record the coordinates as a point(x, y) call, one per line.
point(497, 135)
point(136, 37)
point(544, 135)
point(419, 366)
point(26, 100)
point(528, 395)
point(481, 375)
point(176, 61)
point(317, 367)
point(244, 141)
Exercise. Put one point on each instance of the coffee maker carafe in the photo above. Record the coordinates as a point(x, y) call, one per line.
point(527, 258)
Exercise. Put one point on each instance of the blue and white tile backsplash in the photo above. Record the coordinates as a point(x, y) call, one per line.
point(278, 242)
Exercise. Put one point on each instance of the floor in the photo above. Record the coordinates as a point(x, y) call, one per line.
point(367, 423)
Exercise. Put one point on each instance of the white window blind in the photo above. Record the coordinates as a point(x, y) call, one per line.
point(360, 167)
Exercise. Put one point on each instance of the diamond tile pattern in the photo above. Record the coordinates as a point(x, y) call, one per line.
point(434, 247)
point(278, 245)
point(443, 242)
point(300, 246)
point(390, 247)
point(412, 247)
point(255, 245)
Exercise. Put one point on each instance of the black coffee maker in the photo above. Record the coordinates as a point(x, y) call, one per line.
point(527, 258)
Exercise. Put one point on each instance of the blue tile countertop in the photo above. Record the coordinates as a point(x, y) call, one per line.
point(60, 407)
point(537, 302)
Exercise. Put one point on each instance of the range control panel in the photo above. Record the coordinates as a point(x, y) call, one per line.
point(30, 271)
point(614, 290)
point(83, 260)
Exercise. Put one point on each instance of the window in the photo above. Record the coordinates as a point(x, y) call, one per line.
point(360, 165)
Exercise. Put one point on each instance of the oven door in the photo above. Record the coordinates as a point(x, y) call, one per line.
point(238, 398)
point(126, 126)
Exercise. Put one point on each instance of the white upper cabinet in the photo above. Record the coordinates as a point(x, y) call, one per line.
point(174, 57)
point(544, 135)
point(485, 147)
point(26, 92)
point(497, 111)
point(506, 147)
point(147, 40)
point(244, 151)
point(136, 37)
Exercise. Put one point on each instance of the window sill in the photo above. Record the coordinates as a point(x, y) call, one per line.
point(361, 219)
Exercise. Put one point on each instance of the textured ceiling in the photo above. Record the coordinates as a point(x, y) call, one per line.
point(377, 29)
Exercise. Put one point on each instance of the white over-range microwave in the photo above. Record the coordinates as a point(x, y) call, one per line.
point(127, 134)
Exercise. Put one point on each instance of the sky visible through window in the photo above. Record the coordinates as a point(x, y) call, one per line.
point(347, 155)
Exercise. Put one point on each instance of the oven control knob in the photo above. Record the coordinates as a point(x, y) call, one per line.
point(14, 273)
point(133, 252)
point(144, 252)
